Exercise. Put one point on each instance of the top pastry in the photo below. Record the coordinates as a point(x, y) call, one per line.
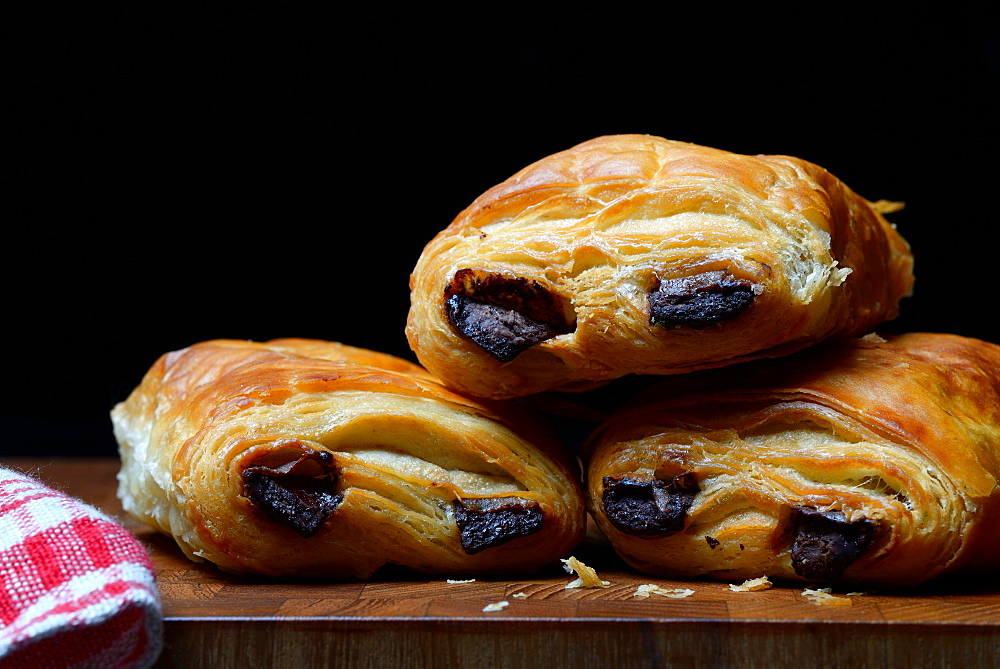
point(637, 254)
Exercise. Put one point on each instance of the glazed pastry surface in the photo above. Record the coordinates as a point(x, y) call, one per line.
point(636, 254)
point(314, 459)
point(870, 462)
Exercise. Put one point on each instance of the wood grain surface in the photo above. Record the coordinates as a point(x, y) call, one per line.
point(217, 620)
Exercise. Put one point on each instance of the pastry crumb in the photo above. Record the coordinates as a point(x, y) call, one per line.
point(496, 606)
point(823, 597)
point(653, 589)
point(587, 577)
point(888, 206)
point(520, 595)
point(752, 585)
point(872, 339)
point(468, 580)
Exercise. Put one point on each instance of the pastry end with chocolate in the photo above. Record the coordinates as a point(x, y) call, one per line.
point(502, 315)
point(826, 543)
point(487, 522)
point(300, 495)
point(648, 507)
point(699, 301)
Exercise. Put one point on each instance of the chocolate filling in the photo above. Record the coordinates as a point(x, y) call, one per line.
point(490, 521)
point(648, 507)
point(699, 301)
point(826, 543)
point(299, 495)
point(502, 315)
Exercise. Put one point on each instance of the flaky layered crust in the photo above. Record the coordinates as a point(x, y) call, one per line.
point(314, 459)
point(636, 254)
point(871, 462)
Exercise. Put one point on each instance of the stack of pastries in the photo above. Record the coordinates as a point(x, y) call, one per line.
point(782, 439)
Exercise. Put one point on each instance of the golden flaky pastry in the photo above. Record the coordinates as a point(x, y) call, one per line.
point(308, 458)
point(870, 461)
point(636, 254)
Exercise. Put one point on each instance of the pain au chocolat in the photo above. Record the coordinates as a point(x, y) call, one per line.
point(314, 459)
point(867, 461)
point(637, 254)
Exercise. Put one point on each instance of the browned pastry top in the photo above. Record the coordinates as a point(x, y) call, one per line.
point(886, 448)
point(637, 254)
point(307, 458)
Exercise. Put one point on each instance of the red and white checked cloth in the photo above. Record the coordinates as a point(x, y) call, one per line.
point(76, 588)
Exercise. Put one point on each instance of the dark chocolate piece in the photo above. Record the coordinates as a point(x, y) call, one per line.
point(699, 301)
point(826, 543)
point(300, 495)
point(712, 542)
point(503, 333)
point(648, 507)
point(487, 522)
point(502, 315)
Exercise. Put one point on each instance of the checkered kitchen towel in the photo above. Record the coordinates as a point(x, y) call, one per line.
point(76, 588)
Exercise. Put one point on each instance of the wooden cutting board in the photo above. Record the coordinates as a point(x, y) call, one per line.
point(216, 620)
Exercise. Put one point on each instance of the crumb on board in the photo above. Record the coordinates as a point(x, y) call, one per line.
point(752, 585)
point(496, 606)
point(455, 580)
point(520, 595)
point(586, 576)
point(823, 597)
point(653, 589)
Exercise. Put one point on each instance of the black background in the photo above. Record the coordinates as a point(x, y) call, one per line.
point(263, 173)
